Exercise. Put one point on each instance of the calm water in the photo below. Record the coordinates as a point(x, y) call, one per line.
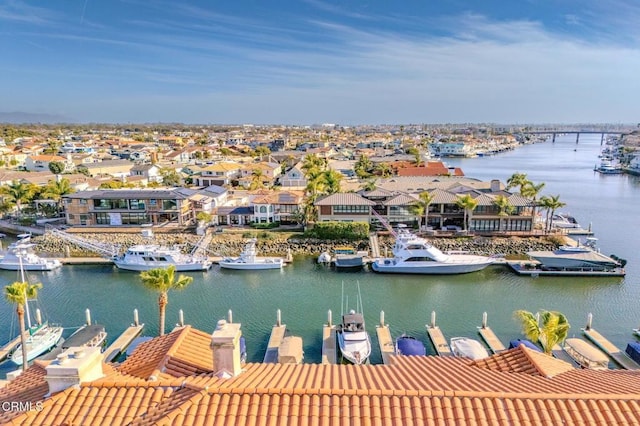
point(304, 291)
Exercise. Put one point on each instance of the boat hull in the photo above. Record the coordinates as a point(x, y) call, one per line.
point(244, 266)
point(387, 266)
point(45, 266)
point(36, 346)
point(186, 267)
point(360, 355)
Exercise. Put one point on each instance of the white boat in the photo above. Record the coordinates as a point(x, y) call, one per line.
point(30, 261)
point(468, 348)
point(249, 260)
point(586, 355)
point(146, 257)
point(414, 255)
point(42, 337)
point(353, 339)
point(577, 257)
point(564, 221)
point(607, 167)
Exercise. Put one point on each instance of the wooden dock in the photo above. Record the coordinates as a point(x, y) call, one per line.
point(85, 261)
point(439, 341)
point(610, 349)
point(8, 348)
point(329, 354)
point(489, 337)
point(122, 342)
point(277, 335)
point(386, 343)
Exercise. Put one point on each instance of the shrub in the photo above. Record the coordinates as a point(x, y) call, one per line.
point(339, 231)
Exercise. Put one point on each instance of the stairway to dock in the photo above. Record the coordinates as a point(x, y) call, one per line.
point(374, 245)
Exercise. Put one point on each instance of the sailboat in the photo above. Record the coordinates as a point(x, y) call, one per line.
point(42, 336)
point(353, 339)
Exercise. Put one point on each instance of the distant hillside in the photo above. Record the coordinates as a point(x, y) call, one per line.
point(28, 117)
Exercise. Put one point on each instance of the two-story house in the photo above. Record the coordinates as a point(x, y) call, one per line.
point(218, 174)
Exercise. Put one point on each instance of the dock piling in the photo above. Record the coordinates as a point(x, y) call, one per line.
point(433, 319)
point(589, 321)
point(38, 317)
point(230, 316)
point(278, 318)
point(381, 318)
point(87, 315)
point(181, 318)
point(136, 322)
point(329, 318)
point(484, 320)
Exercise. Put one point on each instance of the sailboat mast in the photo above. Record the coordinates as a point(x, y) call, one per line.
point(26, 300)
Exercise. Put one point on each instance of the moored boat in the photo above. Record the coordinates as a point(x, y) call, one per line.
point(248, 259)
point(353, 339)
point(586, 355)
point(150, 256)
point(582, 257)
point(21, 253)
point(409, 345)
point(468, 348)
point(414, 255)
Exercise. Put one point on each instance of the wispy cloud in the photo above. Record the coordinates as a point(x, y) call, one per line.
point(19, 11)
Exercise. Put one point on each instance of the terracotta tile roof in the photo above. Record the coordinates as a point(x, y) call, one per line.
point(525, 360)
point(511, 388)
point(183, 352)
point(29, 386)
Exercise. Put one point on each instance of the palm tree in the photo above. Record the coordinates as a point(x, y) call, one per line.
point(17, 193)
point(56, 189)
point(551, 204)
point(162, 280)
point(554, 328)
point(384, 170)
point(332, 180)
point(257, 181)
point(369, 185)
point(517, 180)
point(421, 206)
point(312, 162)
point(19, 293)
point(504, 206)
point(469, 204)
point(531, 190)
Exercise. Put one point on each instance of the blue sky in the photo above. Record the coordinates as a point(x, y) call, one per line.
point(322, 61)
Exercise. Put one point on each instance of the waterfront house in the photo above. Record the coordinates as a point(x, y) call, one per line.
point(277, 206)
point(115, 207)
point(393, 197)
point(191, 377)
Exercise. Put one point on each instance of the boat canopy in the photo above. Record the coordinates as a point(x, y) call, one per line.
point(407, 345)
point(633, 350)
point(517, 342)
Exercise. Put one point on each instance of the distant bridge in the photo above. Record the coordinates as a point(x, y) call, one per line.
point(554, 133)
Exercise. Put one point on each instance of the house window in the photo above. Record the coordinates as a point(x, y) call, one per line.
point(263, 209)
point(169, 204)
point(350, 209)
point(83, 201)
point(136, 205)
point(153, 203)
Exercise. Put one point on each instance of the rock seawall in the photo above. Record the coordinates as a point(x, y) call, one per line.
point(232, 244)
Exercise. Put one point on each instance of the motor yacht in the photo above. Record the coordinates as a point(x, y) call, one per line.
point(146, 257)
point(414, 255)
point(248, 259)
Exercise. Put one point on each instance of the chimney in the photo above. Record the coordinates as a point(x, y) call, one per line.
point(225, 344)
point(495, 185)
point(75, 365)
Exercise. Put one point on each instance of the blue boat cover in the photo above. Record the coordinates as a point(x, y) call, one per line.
point(407, 345)
point(633, 350)
point(517, 342)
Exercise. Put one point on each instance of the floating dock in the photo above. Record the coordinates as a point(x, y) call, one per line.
point(85, 261)
point(437, 338)
point(124, 340)
point(275, 340)
point(8, 348)
point(495, 345)
point(329, 355)
point(534, 269)
point(384, 340)
point(610, 349)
